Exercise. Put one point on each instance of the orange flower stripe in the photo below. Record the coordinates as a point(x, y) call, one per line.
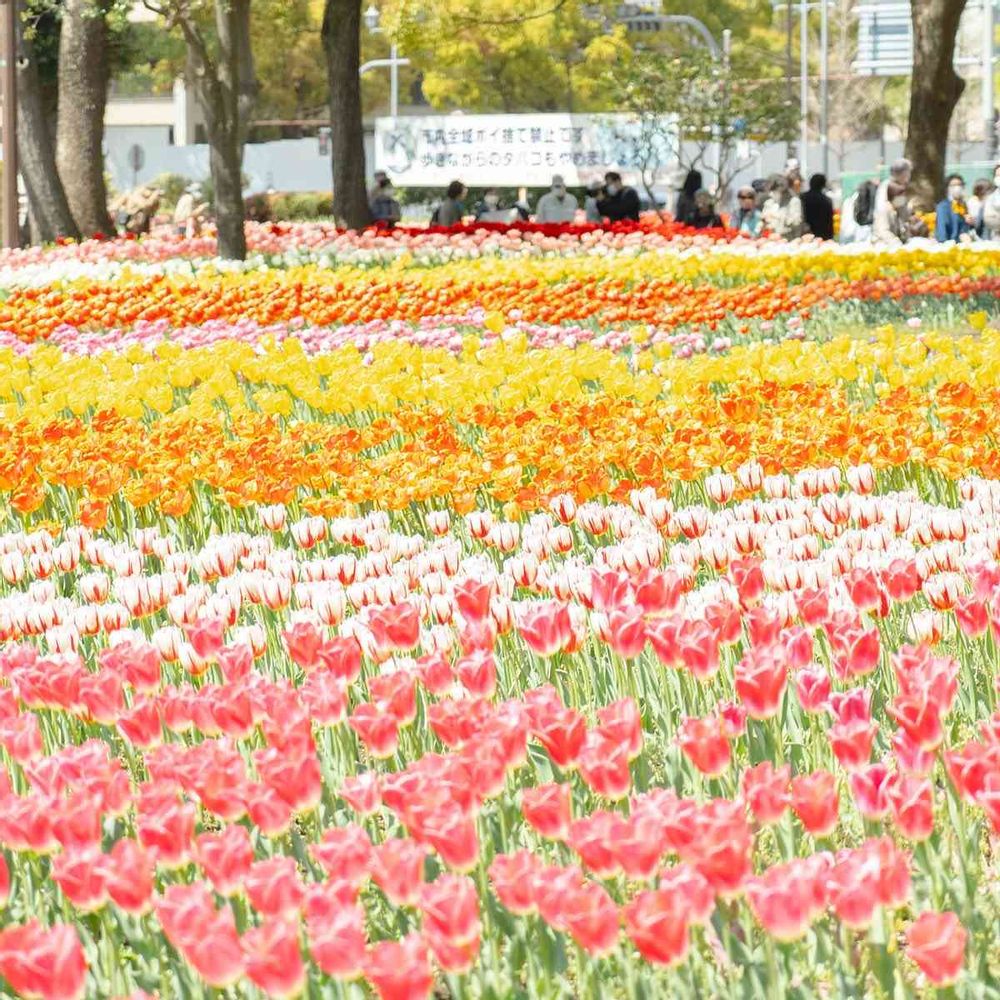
point(326, 298)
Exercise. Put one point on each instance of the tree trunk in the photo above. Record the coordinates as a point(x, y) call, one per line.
point(83, 93)
point(934, 91)
point(49, 208)
point(225, 158)
point(226, 90)
point(342, 43)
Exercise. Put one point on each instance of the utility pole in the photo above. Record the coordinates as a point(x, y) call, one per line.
point(824, 84)
point(989, 119)
point(790, 145)
point(11, 222)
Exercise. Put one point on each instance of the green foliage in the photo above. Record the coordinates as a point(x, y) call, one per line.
point(171, 188)
point(302, 206)
point(711, 102)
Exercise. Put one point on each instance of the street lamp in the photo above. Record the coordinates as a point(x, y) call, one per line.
point(372, 17)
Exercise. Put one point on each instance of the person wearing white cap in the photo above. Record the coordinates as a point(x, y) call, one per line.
point(556, 205)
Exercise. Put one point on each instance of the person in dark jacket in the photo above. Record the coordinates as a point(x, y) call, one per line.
point(705, 215)
point(953, 222)
point(685, 200)
point(817, 209)
point(619, 203)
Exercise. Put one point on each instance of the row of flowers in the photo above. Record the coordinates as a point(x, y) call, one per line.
point(637, 746)
point(283, 242)
point(609, 295)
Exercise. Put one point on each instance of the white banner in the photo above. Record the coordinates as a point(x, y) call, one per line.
point(515, 150)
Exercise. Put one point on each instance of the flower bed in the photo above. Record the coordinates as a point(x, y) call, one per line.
point(514, 636)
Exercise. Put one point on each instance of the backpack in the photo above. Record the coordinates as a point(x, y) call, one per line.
point(864, 204)
point(991, 211)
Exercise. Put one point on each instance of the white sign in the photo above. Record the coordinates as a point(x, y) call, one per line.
point(515, 150)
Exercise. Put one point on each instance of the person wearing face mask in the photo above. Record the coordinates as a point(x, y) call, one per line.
point(383, 205)
point(489, 207)
point(953, 222)
point(620, 203)
point(592, 212)
point(556, 205)
point(991, 210)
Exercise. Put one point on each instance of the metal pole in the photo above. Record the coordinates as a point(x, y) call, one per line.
point(394, 83)
point(824, 84)
point(989, 126)
point(804, 85)
point(11, 223)
point(790, 145)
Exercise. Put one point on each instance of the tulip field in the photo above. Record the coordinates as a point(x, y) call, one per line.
point(537, 614)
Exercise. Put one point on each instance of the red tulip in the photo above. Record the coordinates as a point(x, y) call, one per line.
point(395, 693)
point(398, 869)
point(274, 888)
point(719, 845)
point(376, 728)
point(361, 792)
point(604, 766)
point(206, 636)
point(591, 917)
point(545, 627)
point(269, 811)
point(593, 837)
point(548, 808)
point(815, 802)
point(870, 787)
point(783, 899)
point(273, 959)
point(698, 646)
point(395, 626)
point(452, 957)
point(760, 682)
point(345, 854)
point(912, 801)
point(453, 835)
point(851, 742)
point(766, 790)
point(225, 858)
point(337, 941)
point(400, 970)
point(920, 717)
point(513, 878)
point(477, 673)
point(621, 722)
point(627, 632)
point(472, 597)
point(235, 662)
point(705, 744)
point(303, 642)
point(43, 962)
point(129, 875)
point(80, 875)
point(657, 923)
point(936, 943)
point(638, 846)
point(165, 825)
point(610, 589)
point(450, 908)
point(658, 592)
point(342, 657)
point(204, 936)
point(562, 732)
point(813, 690)
point(853, 887)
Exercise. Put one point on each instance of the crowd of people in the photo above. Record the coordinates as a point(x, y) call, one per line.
point(879, 212)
